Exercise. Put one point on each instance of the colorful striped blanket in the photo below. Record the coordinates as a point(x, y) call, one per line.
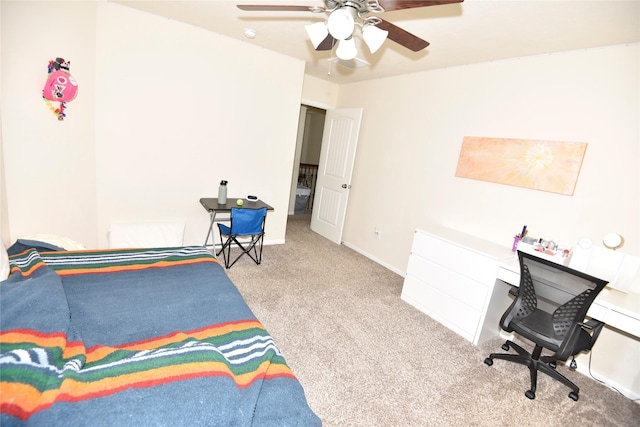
point(137, 337)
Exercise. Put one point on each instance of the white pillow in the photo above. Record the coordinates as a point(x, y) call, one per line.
point(61, 242)
point(146, 235)
point(4, 261)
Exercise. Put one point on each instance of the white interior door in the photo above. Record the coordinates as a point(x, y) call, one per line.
point(337, 155)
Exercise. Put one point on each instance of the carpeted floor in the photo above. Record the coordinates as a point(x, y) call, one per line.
point(366, 358)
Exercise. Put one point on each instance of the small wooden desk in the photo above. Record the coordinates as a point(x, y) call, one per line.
point(212, 206)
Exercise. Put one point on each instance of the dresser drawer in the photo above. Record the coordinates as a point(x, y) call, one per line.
point(441, 307)
point(454, 257)
point(458, 287)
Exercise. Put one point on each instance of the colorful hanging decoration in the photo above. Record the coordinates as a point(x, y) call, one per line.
point(60, 86)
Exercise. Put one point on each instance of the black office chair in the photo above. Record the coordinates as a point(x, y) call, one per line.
point(245, 222)
point(550, 309)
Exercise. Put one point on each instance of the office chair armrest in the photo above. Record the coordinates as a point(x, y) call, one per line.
point(592, 324)
point(595, 326)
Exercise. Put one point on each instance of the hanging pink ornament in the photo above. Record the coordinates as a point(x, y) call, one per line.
point(60, 86)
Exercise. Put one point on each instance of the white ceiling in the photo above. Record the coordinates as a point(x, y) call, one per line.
point(463, 33)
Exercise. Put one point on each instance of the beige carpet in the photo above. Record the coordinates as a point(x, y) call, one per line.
point(366, 358)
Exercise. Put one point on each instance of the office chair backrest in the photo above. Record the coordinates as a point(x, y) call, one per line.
point(564, 293)
point(246, 221)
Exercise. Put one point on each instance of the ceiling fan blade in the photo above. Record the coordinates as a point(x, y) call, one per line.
point(274, 8)
point(402, 37)
point(327, 43)
point(389, 5)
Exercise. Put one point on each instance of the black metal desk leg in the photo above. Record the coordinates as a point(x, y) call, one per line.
point(212, 215)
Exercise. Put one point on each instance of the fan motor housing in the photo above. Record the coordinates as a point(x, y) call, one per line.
point(361, 6)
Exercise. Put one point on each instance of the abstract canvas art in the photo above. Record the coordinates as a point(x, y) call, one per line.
point(551, 166)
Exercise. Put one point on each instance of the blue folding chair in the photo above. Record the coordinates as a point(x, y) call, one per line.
point(245, 223)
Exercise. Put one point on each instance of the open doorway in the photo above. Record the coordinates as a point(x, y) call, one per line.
point(305, 168)
point(326, 206)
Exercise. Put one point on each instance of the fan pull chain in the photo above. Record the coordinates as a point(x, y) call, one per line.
point(333, 46)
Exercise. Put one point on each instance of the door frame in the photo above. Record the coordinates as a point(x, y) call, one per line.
point(298, 151)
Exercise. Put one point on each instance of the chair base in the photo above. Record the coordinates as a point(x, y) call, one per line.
point(253, 249)
point(545, 364)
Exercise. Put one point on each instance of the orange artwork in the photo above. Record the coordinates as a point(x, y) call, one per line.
point(551, 166)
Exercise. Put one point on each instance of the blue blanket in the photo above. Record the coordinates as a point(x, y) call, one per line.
point(137, 337)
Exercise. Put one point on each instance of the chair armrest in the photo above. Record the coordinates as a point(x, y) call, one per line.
point(592, 324)
point(595, 326)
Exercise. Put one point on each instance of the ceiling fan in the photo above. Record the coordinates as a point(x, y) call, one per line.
point(345, 15)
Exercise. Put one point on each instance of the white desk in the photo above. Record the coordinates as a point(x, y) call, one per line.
point(617, 309)
point(462, 281)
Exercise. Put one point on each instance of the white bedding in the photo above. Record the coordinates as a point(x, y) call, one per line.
point(146, 235)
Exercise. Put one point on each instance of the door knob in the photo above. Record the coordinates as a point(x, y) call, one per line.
point(346, 186)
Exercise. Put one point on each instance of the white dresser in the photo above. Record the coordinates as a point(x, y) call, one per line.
point(451, 276)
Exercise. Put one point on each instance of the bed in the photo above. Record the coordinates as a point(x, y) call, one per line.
point(137, 337)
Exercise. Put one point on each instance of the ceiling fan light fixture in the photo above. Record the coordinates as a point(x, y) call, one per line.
point(317, 33)
point(347, 49)
point(341, 23)
point(374, 37)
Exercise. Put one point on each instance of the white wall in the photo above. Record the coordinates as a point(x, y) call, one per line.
point(4, 213)
point(319, 93)
point(164, 112)
point(49, 165)
point(404, 176)
point(201, 108)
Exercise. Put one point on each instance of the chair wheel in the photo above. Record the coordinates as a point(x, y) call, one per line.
point(530, 394)
point(505, 347)
point(574, 396)
point(488, 361)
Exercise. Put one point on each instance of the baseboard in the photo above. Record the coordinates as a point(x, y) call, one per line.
point(374, 259)
point(585, 370)
point(274, 242)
